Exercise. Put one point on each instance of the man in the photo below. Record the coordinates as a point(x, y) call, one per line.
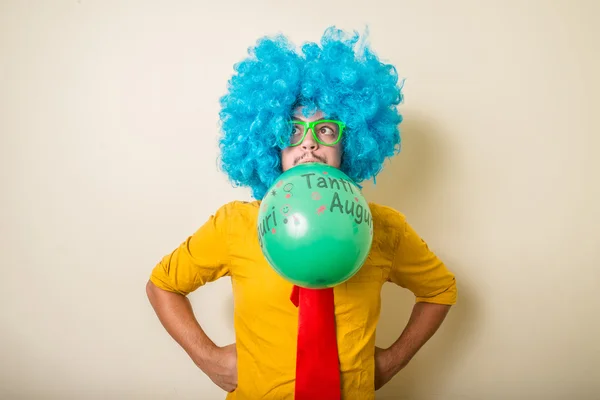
point(274, 93)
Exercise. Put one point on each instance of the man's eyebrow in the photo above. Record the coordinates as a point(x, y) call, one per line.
point(298, 119)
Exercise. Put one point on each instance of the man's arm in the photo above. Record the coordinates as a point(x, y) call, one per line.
point(424, 321)
point(416, 268)
point(175, 313)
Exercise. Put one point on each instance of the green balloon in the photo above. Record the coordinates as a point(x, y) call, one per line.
point(314, 226)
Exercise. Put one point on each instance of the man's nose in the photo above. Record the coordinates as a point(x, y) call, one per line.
point(309, 142)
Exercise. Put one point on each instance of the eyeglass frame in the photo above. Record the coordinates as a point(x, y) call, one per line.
point(311, 126)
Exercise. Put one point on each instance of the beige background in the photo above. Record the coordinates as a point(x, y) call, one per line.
point(108, 122)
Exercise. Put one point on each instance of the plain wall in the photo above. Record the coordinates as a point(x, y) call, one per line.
point(108, 130)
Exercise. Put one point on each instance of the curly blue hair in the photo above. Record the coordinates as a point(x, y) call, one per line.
point(340, 76)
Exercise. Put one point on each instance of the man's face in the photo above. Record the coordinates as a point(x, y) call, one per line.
point(309, 150)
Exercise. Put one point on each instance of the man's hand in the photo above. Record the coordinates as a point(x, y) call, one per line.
point(221, 367)
point(385, 367)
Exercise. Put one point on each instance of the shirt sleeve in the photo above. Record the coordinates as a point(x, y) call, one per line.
point(201, 258)
point(418, 269)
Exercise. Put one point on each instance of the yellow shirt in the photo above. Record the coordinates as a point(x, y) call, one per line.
point(266, 321)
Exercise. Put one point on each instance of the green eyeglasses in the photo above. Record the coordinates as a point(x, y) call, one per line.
point(327, 132)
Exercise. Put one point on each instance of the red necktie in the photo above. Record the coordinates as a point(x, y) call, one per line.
point(317, 361)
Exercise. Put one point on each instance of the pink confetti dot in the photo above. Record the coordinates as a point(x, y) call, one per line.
point(287, 196)
point(273, 231)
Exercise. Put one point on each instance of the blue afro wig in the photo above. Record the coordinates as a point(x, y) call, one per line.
point(340, 76)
